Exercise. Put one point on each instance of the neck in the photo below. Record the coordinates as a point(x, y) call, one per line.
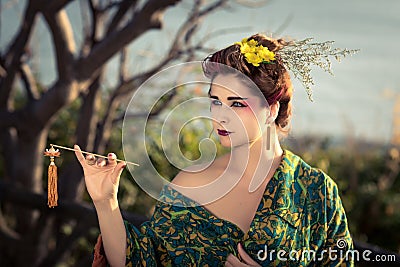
point(255, 160)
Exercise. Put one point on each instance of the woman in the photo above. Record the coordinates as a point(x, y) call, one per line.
point(266, 206)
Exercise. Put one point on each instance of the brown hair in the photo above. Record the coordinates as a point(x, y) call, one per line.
point(273, 80)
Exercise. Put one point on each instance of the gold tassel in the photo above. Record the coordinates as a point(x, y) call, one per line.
point(52, 194)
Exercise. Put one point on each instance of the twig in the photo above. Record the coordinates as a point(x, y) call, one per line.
point(97, 155)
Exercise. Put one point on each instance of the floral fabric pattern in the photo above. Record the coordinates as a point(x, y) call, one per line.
point(300, 213)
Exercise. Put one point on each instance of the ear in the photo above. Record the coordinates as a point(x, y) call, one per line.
point(272, 112)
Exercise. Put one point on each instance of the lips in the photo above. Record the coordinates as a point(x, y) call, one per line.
point(223, 132)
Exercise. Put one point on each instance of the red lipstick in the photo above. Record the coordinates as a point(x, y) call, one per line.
point(223, 132)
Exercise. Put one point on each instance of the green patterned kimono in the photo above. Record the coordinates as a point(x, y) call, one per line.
point(300, 221)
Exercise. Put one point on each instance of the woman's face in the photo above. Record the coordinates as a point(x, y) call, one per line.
point(239, 114)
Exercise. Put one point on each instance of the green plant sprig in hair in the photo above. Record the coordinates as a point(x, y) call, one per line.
point(299, 56)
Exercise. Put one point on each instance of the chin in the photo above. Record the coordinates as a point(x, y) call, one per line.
point(225, 143)
point(229, 144)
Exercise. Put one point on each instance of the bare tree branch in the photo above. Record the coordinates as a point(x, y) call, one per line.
point(124, 6)
point(14, 53)
point(219, 32)
point(87, 26)
point(55, 5)
point(123, 68)
point(9, 119)
point(3, 72)
point(105, 126)
point(66, 89)
point(189, 28)
point(212, 7)
point(177, 49)
point(64, 42)
point(149, 17)
point(108, 6)
point(253, 4)
point(60, 94)
point(153, 113)
point(88, 115)
point(95, 15)
point(7, 235)
point(29, 82)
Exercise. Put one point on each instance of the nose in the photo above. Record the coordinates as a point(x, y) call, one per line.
point(221, 114)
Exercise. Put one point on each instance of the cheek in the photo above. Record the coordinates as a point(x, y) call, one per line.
point(253, 106)
point(252, 121)
point(247, 110)
point(248, 122)
point(251, 112)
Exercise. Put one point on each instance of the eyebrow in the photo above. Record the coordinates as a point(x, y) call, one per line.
point(230, 97)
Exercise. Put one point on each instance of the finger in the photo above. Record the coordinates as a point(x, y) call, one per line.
point(90, 159)
point(246, 258)
point(118, 171)
point(229, 260)
point(234, 261)
point(101, 162)
point(79, 155)
point(112, 159)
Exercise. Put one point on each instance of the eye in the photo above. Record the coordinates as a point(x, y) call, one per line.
point(238, 104)
point(216, 102)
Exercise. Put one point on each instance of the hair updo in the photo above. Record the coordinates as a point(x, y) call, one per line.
point(273, 80)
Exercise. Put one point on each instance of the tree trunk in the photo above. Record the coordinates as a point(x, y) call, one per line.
point(29, 169)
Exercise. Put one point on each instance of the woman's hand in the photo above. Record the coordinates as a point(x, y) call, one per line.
point(101, 176)
point(233, 261)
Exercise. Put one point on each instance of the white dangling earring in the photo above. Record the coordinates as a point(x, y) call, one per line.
point(269, 137)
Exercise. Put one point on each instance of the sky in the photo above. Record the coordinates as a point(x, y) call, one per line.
point(356, 102)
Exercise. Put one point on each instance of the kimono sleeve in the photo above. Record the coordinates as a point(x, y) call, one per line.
point(140, 245)
point(338, 245)
point(139, 248)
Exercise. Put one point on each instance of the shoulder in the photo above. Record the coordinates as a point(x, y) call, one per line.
point(189, 176)
point(322, 192)
point(315, 181)
point(199, 174)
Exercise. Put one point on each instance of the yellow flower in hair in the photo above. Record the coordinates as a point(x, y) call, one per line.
point(244, 40)
point(246, 48)
point(253, 58)
point(265, 54)
point(255, 53)
point(252, 43)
